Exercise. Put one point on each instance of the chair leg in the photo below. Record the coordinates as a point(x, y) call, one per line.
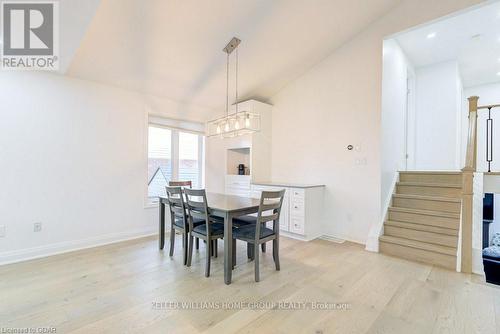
point(234, 253)
point(216, 249)
point(209, 253)
point(185, 249)
point(172, 241)
point(276, 253)
point(256, 260)
point(190, 251)
point(263, 246)
point(197, 243)
point(211, 247)
point(249, 251)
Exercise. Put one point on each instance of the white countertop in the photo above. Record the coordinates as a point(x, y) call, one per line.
point(287, 184)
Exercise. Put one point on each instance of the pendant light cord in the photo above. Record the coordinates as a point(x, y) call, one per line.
point(237, 82)
point(227, 85)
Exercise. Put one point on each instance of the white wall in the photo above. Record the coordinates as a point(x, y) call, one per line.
point(393, 118)
point(438, 110)
point(73, 156)
point(337, 103)
point(488, 94)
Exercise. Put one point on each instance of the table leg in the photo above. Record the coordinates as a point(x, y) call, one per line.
point(161, 230)
point(228, 248)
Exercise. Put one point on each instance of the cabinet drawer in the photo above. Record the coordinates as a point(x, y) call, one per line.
point(297, 208)
point(238, 180)
point(297, 194)
point(297, 225)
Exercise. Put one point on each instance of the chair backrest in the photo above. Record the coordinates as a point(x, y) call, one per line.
point(176, 204)
point(197, 206)
point(188, 184)
point(270, 201)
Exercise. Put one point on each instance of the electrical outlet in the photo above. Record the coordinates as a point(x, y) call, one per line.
point(37, 227)
point(2, 231)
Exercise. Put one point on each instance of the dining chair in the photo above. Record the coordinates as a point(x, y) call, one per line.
point(178, 219)
point(257, 233)
point(184, 184)
point(197, 207)
point(181, 184)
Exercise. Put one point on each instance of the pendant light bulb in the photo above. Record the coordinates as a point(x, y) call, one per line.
point(247, 121)
point(226, 127)
point(237, 125)
point(218, 129)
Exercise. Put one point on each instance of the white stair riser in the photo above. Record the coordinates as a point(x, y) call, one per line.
point(429, 237)
point(421, 204)
point(424, 219)
point(431, 178)
point(419, 255)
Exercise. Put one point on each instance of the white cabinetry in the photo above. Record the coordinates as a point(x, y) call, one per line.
point(238, 185)
point(301, 211)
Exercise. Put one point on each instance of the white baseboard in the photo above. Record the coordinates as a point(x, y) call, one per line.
point(377, 228)
point(70, 246)
point(372, 244)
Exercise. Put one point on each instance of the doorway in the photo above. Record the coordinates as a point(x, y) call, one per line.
point(410, 120)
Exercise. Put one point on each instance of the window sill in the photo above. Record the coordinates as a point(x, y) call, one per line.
point(151, 205)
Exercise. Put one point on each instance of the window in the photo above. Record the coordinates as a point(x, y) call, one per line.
point(159, 160)
point(189, 167)
point(172, 155)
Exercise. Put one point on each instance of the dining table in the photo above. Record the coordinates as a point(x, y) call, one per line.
point(223, 206)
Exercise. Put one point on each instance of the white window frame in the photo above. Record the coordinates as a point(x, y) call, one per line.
point(175, 126)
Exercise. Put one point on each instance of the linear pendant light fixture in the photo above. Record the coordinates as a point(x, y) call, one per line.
point(240, 122)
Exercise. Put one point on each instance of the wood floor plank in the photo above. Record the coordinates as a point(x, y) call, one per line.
point(111, 289)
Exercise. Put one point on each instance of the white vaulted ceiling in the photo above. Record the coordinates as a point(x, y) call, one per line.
point(173, 48)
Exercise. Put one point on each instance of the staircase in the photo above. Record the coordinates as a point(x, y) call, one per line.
point(423, 220)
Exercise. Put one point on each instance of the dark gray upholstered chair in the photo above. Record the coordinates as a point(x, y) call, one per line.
point(178, 219)
point(257, 233)
point(196, 202)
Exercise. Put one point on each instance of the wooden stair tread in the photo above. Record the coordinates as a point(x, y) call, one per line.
point(426, 184)
point(428, 198)
point(451, 251)
point(426, 212)
point(430, 172)
point(423, 228)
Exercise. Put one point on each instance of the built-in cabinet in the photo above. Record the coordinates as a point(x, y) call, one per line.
point(301, 211)
point(301, 214)
point(238, 185)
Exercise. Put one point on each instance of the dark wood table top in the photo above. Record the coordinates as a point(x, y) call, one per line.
point(228, 203)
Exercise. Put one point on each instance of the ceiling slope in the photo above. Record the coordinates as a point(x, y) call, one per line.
point(173, 48)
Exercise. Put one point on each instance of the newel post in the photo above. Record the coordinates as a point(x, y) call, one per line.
point(468, 188)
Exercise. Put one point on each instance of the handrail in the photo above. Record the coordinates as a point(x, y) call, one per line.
point(491, 106)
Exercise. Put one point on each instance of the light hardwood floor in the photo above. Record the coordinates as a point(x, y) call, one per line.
point(111, 289)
